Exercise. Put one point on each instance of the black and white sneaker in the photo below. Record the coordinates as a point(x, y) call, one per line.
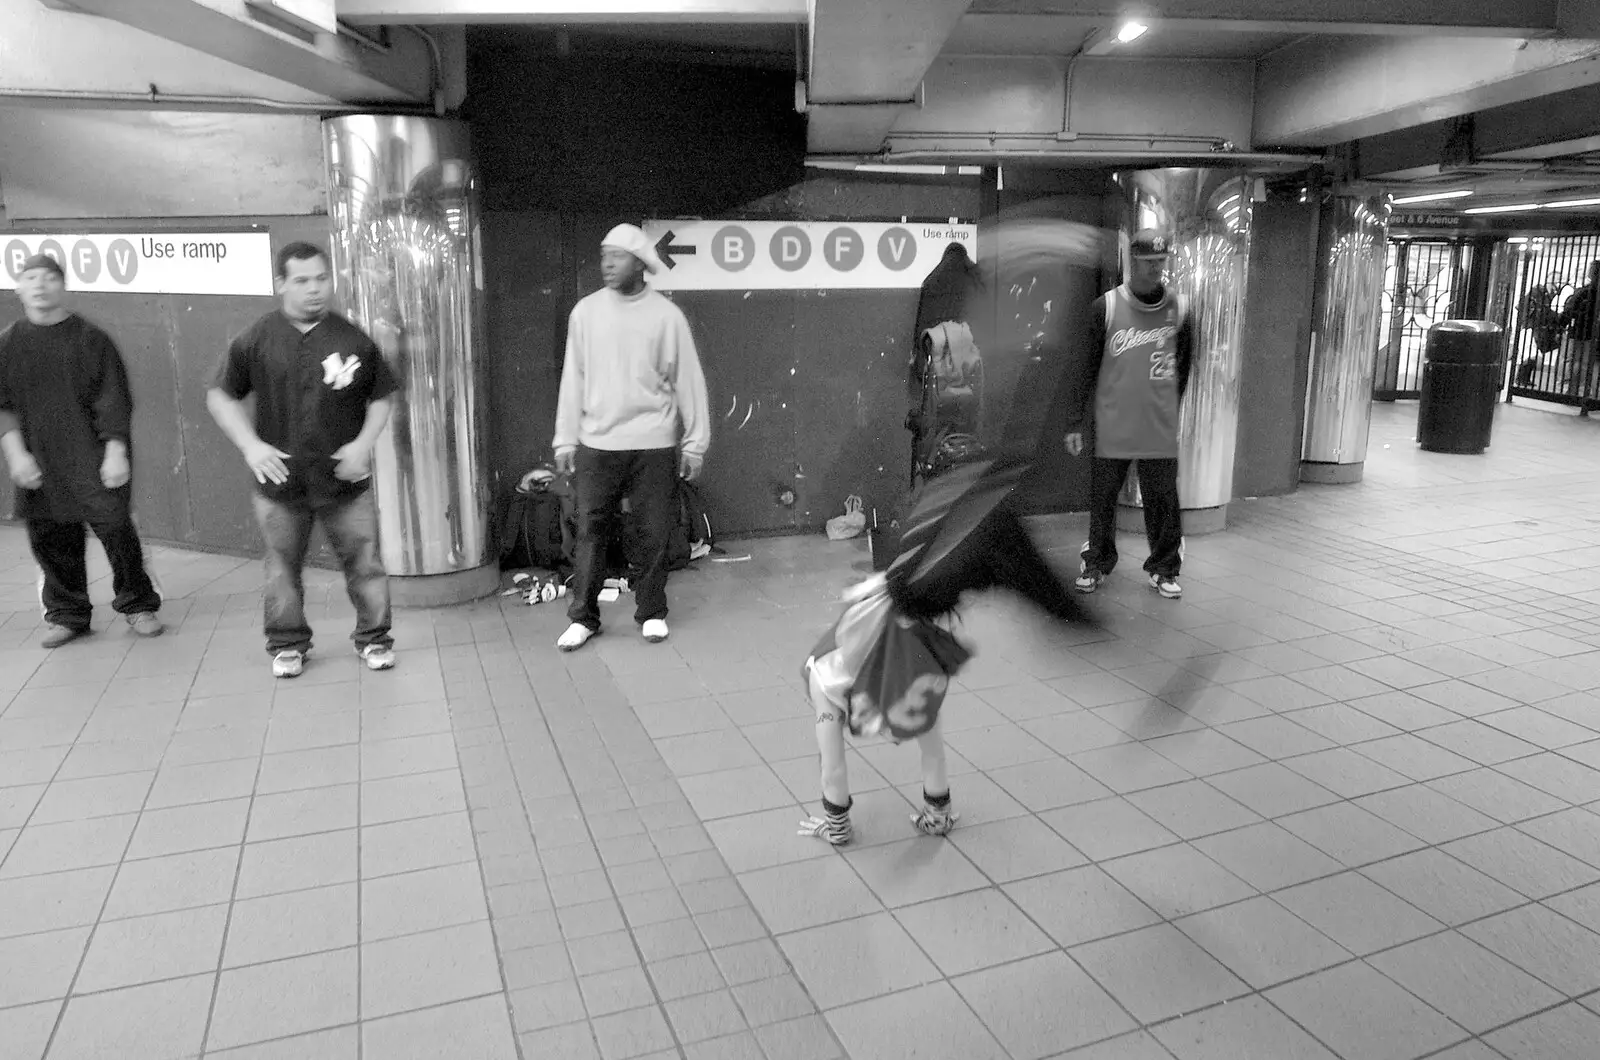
point(1166, 585)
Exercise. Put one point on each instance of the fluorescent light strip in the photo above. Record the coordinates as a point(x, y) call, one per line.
point(1433, 196)
point(1571, 202)
point(1521, 207)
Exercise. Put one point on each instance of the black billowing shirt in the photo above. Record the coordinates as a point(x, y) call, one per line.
point(312, 391)
point(64, 386)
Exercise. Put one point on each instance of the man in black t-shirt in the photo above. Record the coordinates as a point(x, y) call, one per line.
point(322, 392)
point(65, 418)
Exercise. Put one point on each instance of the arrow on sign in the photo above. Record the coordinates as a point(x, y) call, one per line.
point(665, 249)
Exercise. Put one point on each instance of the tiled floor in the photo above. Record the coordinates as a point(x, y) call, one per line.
point(1338, 801)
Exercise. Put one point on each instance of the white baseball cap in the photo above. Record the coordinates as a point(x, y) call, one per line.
point(632, 239)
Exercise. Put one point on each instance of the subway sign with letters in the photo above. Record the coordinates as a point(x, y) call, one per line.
point(220, 263)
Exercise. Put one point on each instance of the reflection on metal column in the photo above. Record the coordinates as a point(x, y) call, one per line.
point(1207, 213)
point(403, 198)
point(1344, 340)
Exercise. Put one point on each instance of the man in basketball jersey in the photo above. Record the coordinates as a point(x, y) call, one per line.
point(1139, 353)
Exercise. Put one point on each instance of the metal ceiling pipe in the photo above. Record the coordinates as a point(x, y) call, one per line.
point(190, 101)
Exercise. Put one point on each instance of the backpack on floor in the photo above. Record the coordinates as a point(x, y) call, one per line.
point(537, 523)
point(689, 538)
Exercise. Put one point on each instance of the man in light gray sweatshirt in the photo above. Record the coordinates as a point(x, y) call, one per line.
point(632, 418)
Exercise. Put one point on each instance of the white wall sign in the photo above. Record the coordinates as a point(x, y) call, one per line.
point(235, 263)
point(794, 255)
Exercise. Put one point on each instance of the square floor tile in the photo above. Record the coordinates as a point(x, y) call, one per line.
point(79, 800)
point(970, 931)
point(928, 1021)
point(1193, 809)
point(1243, 1030)
point(157, 1019)
point(1346, 773)
point(915, 870)
point(1482, 743)
point(1426, 814)
point(857, 959)
point(428, 969)
point(296, 864)
point(762, 840)
point(480, 1030)
point(536, 1008)
point(730, 792)
point(1272, 790)
point(422, 901)
point(1041, 1005)
point(616, 991)
point(145, 949)
point(206, 782)
point(1044, 785)
point(1558, 775)
point(1267, 857)
point(790, 897)
point(413, 795)
point(1178, 880)
point(694, 973)
point(1575, 832)
point(39, 967)
point(1261, 942)
point(25, 1031)
point(1564, 954)
point(59, 900)
point(1566, 1033)
point(292, 925)
point(1080, 905)
point(1157, 972)
point(1497, 795)
point(1465, 981)
point(632, 1034)
point(1442, 887)
point(266, 1001)
point(1015, 848)
point(1360, 1013)
point(1108, 828)
point(315, 768)
point(1276, 737)
point(705, 1016)
point(1130, 767)
point(413, 754)
point(1357, 913)
point(188, 828)
point(293, 813)
point(773, 1000)
point(1522, 862)
point(1350, 834)
point(424, 843)
point(1205, 752)
point(64, 847)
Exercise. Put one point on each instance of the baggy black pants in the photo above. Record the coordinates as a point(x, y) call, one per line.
point(1163, 515)
point(59, 549)
point(649, 478)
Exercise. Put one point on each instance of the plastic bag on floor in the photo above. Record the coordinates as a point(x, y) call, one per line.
point(851, 523)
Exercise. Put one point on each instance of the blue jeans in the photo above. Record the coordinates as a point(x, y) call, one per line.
point(351, 526)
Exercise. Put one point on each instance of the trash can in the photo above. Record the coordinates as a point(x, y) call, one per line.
point(1460, 386)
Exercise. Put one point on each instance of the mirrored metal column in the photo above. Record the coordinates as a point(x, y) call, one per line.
point(403, 203)
point(1344, 338)
point(1206, 214)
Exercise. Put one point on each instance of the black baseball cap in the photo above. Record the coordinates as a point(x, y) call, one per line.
point(43, 261)
point(1149, 243)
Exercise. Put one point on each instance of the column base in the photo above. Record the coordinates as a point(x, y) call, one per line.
point(443, 590)
point(1331, 474)
point(1196, 521)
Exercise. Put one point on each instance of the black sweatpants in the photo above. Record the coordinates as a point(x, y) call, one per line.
point(1163, 514)
point(60, 548)
point(649, 478)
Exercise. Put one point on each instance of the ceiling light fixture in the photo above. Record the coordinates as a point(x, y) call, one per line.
point(1514, 208)
point(1131, 31)
point(1432, 196)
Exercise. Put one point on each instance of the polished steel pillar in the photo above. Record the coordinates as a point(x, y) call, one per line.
point(1206, 214)
point(1344, 338)
point(402, 195)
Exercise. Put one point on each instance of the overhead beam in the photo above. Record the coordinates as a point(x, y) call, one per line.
point(869, 58)
point(1320, 92)
point(1507, 18)
point(1563, 123)
point(572, 12)
point(327, 65)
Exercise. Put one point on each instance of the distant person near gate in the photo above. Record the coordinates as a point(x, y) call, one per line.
point(632, 417)
point(322, 398)
point(65, 417)
point(1581, 319)
point(1139, 354)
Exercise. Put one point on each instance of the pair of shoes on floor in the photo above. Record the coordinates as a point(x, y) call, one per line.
point(143, 624)
point(577, 635)
point(293, 663)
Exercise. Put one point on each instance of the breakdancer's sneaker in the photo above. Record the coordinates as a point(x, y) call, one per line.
point(833, 826)
point(1166, 585)
point(937, 817)
point(1088, 579)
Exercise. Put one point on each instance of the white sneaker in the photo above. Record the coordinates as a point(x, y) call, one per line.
point(377, 656)
point(576, 636)
point(655, 630)
point(288, 664)
point(1166, 585)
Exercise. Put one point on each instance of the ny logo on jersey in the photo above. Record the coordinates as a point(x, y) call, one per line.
point(338, 372)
